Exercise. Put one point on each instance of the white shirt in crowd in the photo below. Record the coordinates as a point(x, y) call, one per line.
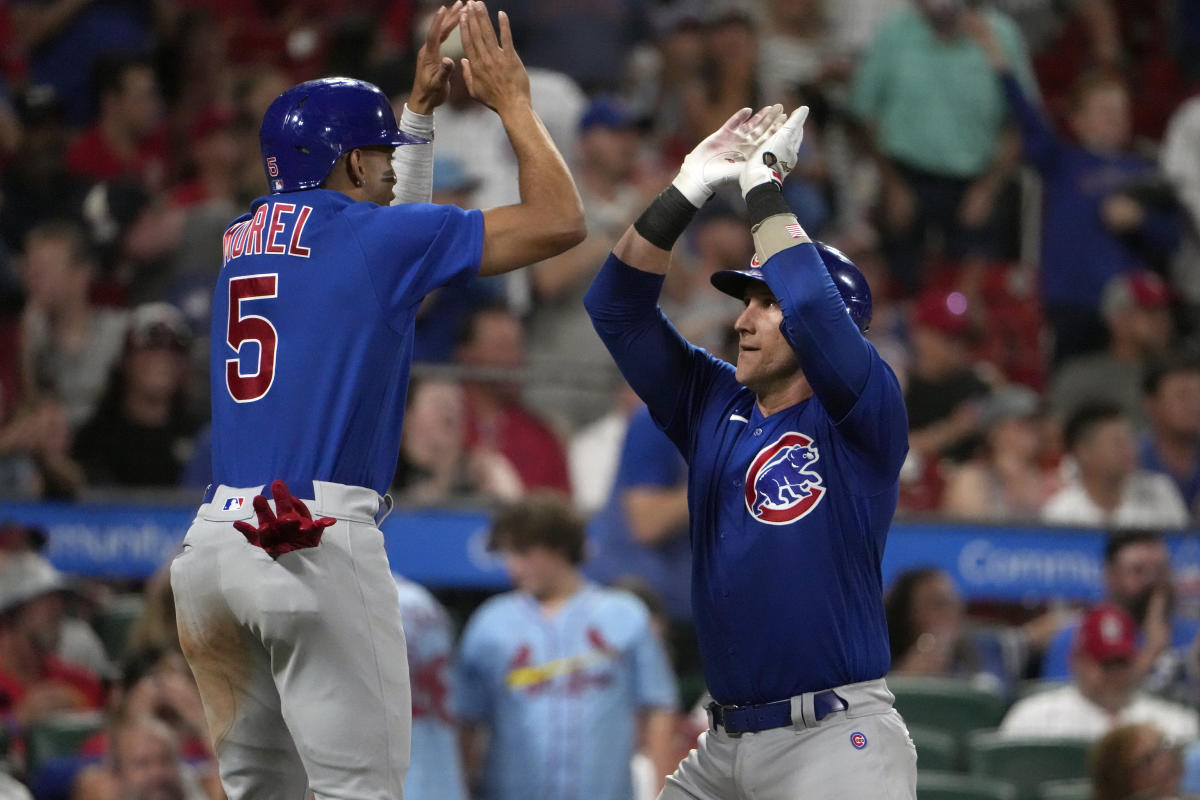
point(1148, 500)
point(1066, 713)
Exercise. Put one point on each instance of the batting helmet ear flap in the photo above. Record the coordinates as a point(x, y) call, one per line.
point(310, 126)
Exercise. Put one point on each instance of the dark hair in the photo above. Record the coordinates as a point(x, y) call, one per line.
point(897, 605)
point(63, 230)
point(541, 519)
point(109, 71)
point(1162, 368)
point(1120, 539)
point(1087, 418)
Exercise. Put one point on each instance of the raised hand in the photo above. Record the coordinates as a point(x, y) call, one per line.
point(290, 527)
point(492, 69)
point(431, 83)
point(719, 159)
point(776, 156)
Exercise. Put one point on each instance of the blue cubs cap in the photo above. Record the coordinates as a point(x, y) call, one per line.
point(848, 278)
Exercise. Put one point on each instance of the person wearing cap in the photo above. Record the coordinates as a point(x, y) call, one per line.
point(794, 458)
point(1106, 487)
point(1136, 309)
point(141, 433)
point(34, 680)
point(944, 396)
point(1103, 690)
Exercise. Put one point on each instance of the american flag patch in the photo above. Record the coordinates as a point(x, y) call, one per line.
point(794, 230)
point(234, 503)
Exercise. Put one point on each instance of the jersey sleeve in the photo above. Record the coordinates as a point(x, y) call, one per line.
point(671, 375)
point(848, 376)
point(471, 700)
point(647, 456)
point(410, 250)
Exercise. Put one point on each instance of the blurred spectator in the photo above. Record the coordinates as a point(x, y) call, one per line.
point(253, 93)
point(726, 79)
point(1099, 219)
point(1179, 164)
point(943, 149)
point(854, 23)
point(492, 345)
point(34, 680)
point(1103, 690)
point(1009, 478)
point(142, 433)
point(435, 769)
point(65, 40)
point(574, 373)
point(1134, 306)
point(213, 158)
point(434, 464)
point(1138, 578)
point(128, 139)
point(68, 344)
point(155, 630)
point(1106, 487)
point(36, 184)
point(589, 42)
point(797, 50)
point(944, 395)
point(642, 531)
point(1136, 761)
point(35, 453)
point(594, 452)
point(556, 644)
point(1171, 443)
point(145, 764)
point(661, 71)
point(931, 634)
point(717, 239)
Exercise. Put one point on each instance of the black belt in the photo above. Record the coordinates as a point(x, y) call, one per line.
point(737, 720)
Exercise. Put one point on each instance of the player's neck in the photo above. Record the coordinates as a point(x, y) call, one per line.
point(560, 592)
point(773, 399)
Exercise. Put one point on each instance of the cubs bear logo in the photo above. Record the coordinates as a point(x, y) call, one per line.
point(781, 486)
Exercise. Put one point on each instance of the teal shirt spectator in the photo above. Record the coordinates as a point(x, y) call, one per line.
point(936, 103)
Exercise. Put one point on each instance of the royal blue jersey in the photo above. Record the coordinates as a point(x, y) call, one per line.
point(789, 513)
point(312, 333)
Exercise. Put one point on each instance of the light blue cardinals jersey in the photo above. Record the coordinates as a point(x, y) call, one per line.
point(312, 333)
point(789, 514)
point(560, 695)
point(435, 770)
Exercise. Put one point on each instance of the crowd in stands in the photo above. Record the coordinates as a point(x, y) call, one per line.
point(1018, 179)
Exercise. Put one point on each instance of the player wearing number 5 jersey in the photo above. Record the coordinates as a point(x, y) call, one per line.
point(794, 457)
point(292, 627)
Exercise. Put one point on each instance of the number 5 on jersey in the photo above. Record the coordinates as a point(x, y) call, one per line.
point(250, 328)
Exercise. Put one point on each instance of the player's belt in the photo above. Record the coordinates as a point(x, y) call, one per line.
point(737, 720)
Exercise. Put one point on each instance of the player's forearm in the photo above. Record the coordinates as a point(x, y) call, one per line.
point(658, 737)
point(655, 514)
point(547, 189)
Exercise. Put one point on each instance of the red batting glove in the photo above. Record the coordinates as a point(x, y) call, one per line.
point(290, 527)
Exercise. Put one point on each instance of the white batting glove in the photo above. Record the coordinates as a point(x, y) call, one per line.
point(776, 156)
point(719, 158)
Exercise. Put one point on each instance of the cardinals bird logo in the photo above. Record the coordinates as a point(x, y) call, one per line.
point(781, 484)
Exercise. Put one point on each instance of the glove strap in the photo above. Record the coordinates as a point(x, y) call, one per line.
point(665, 220)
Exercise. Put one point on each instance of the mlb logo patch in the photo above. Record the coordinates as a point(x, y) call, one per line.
point(234, 503)
point(858, 740)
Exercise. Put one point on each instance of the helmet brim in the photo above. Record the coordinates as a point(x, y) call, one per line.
point(733, 282)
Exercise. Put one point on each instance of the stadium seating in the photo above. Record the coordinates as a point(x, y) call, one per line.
point(933, 785)
point(952, 705)
point(1026, 762)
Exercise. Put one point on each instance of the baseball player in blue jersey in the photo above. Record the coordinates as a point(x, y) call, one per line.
point(560, 671)
point(290, 623)
point(793, 458)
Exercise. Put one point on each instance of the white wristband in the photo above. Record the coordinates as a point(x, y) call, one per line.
point(416, 124)
point(413, 163)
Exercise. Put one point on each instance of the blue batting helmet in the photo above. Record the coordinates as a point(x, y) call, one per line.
point(846, 277)
point(310, 126)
